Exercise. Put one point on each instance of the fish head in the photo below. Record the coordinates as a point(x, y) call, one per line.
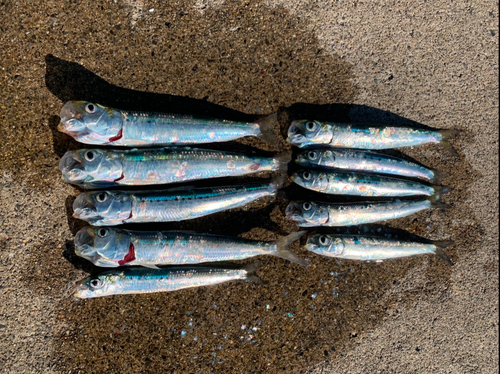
point(305, 133)
point(103, 246)
point(311, 179)
point(91, 123)
point(324, 244)
point(99, 285)
point(103, 207)
point(90, 167)
point(316, 157)
point(306, 214)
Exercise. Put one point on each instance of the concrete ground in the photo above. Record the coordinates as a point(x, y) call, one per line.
point(398, 62)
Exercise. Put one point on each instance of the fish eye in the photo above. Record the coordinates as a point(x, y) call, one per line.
point(306, 206)
point(101, 197)
point(310, 126)
point(313, 155)
point(102, 233)
point(89, 156)
point(306, 175)
point(323, 240)
point(96, 283)
point(90, 108)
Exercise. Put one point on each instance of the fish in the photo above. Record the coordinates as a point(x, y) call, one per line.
point(141, 280)
point(112, 247)
point(314, 214)
point(92, 123)
point(358, 184)
point(99, 168)
point(311, 133)
point(364, 161)
point(370, 248)
point(109, 208)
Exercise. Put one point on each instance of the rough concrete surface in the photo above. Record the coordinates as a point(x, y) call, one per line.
point(397, 62)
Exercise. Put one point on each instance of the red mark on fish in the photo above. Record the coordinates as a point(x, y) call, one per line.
point(129, 257)
point(118, 136)
point(254, 167)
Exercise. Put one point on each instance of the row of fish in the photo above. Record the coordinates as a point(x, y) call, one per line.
point(111, 247)
point(91, 123)
point(341, 167)
point(113, 207)
point(96, 168)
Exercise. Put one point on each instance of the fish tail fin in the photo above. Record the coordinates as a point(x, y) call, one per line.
point(283, 251)
point(438, 192)
point(266, 127)
point(283, 160)
point(438, 175)
point(436, 202)
point(440, 245)
point(251, 269)
point(279, 182)
point(445, 140)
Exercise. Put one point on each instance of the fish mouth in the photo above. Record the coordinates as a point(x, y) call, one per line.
point(296, 133)
point(297, 179)
point(72, 167)
point(71, 119)
point(82, 290)
point(84, 207)
point(310, 244)
point(84, 242)
point(294, 213)
point(71, 126)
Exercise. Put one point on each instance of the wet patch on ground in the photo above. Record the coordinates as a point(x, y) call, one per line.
point(239, 59)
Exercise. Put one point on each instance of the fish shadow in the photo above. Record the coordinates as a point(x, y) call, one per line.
point(78, 262)
point(71, 81)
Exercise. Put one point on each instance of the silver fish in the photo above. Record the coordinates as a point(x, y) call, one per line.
point(103, 208)
point(98, 168)
point(110, 247)
point(312, 214)
point(364, 161)
point(307, 134)
point(361, 184)
point(92, 123)
point(128, 281)
point(368, 248)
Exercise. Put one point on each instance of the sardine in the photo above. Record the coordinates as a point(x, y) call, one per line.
point(312, 214)
point(361, 184)
point(364, 161)
point(98, 168)
point(369, 248)
point(92, 123)
point(310, 134)
point(111, 247)
point(104, 208)
point(127, 281)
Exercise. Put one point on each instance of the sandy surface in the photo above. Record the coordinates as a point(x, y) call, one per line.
point(426, 63)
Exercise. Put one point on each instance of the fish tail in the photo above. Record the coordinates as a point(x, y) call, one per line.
point(283, 160)
point(266, 127)
point(438, 175)
point(435, 199)
point(279, 182)
point(440, 245)
point(446, 135)
point(438, 192)
point(283, 251)
point(250, 270)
